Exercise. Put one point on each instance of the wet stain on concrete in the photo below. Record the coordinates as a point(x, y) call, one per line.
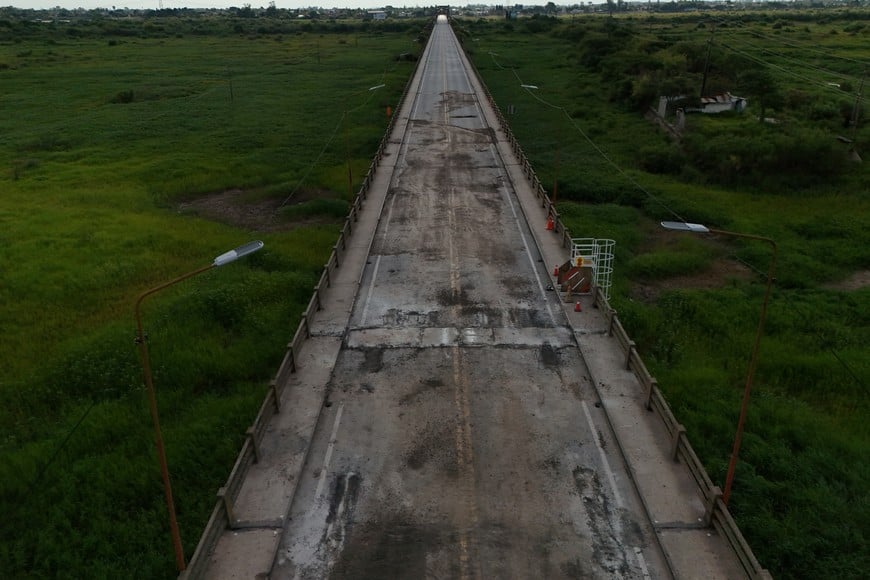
point(607, 545)
point(399, 317)
point(483, 315)
point(435, 445)
point(447, 297)
point(550, 356)
point(391, 547)
point(374, 360)
point(527, 318)
point(518, 287)
point(343, 496)
point(491, 202)
point(424, 387)
point(574, 569)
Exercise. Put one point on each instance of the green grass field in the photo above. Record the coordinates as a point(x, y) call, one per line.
point(110, 126)
point(106, 130)
point(693, 303)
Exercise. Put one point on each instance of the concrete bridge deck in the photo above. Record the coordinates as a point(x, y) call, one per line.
point(451, 417)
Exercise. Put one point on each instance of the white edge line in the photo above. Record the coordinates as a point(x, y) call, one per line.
point(604, 463)
point(641, 561)
point(500, 163)
point(328, 457)
point(532, 262)
point(365, 311)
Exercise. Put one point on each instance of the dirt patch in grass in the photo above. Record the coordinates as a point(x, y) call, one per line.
point(721, 272)
point(718, 275)
point(250, 210)
point(856, 281)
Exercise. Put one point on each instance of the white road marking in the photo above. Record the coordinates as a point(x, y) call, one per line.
point(641, 561)
point(528, 251)
point(604, 463)
point(506, 194)
point(369, 292)
point(339, 514)
point(617, 497)
point(328, 457)
point(389, 216)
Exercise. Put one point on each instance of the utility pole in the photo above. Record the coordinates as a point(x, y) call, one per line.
point(858, 98)
point(706, 65)
point(649, 14)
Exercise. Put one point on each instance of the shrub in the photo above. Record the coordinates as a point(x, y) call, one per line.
point(666, 264)
point(661, 159)
point(333, 208)
point(122, 98)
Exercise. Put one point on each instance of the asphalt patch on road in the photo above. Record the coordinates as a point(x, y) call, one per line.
point(434, 445)
point(607, 545)
point(374, 360)
point(518, 287)
point(343, 497)
point(393, 546)
point(550, 356)
point(447, 297)
point(423, 388)
point(481, 312)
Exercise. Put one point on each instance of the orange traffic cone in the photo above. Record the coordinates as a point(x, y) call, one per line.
point(577, 307)
point(550, 223)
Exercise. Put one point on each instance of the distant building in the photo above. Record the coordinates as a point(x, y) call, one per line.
point(722, 103)
point(709, 105)
point(377, 15)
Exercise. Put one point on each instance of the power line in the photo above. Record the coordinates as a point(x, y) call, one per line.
point(327, 144)
point(782, 69)
point(589, 140)
point(803, 47)
point(806, 318)
point(797, 61)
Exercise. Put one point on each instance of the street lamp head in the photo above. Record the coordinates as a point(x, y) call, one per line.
point(530, 87)
point(376, 87)
point(686, 227)
point(237, 253)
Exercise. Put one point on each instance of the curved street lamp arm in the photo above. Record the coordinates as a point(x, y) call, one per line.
point(155, 419)
point(156, 289)
point(753, 360)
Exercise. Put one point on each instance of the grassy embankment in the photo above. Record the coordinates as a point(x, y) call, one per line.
point(800, 494)
point(108, 126)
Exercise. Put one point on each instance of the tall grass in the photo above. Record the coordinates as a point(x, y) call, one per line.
point(107, 137)
point(800, 493)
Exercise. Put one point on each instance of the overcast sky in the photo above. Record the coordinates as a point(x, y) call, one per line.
point(254, 3)
point(200, 3)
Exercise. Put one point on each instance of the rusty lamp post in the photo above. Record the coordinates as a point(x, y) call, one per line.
point(558, 146)
point(221, 260)
point(347, 138)
point(753, 360)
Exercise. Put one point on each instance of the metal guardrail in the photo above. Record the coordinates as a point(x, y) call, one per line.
point(222, 514)
point(716, 512)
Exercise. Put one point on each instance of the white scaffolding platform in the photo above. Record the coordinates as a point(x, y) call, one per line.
point(596, 255)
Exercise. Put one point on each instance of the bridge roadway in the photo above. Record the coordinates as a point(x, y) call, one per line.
point(444, 422)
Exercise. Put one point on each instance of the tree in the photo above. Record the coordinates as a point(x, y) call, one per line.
point(759, 84)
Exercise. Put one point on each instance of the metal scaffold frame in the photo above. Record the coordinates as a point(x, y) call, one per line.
point(596, 254)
